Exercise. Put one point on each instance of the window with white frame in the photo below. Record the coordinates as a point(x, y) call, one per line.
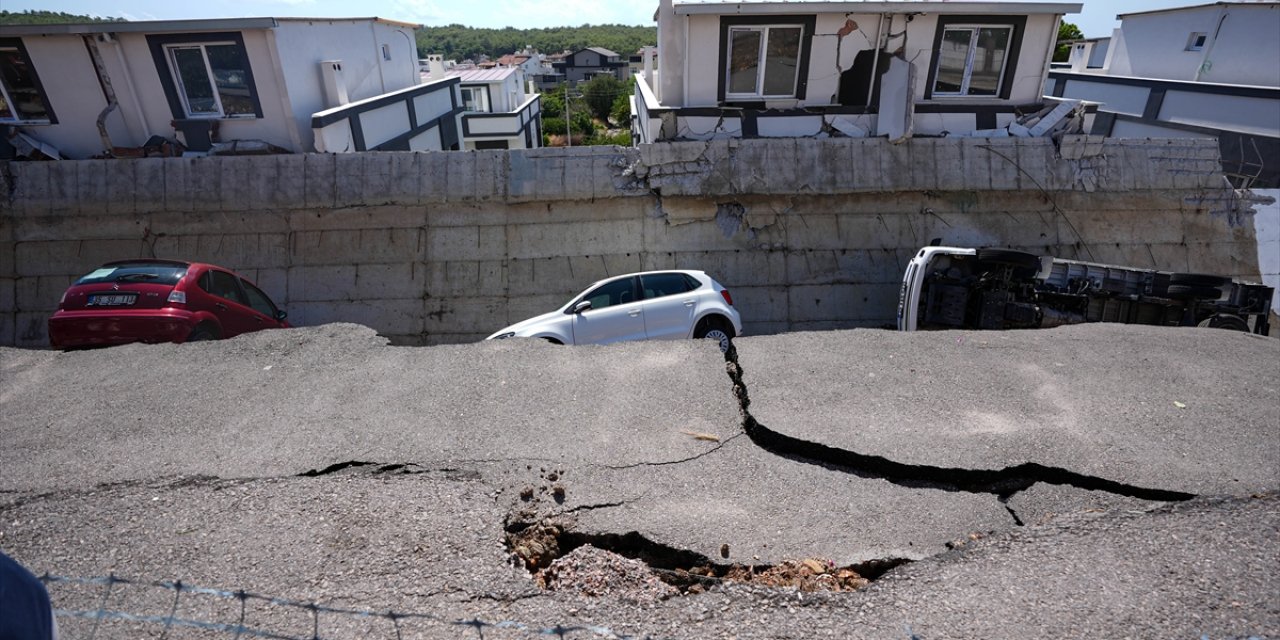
point(212, 79)
point(1195, 42)
point(971, 60)
point(21, 99)
point(475, 99)
point(763, 61)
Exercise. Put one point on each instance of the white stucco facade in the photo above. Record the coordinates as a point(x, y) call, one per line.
point(1241, 44)
point(363, 46)
point(690, 43)
point(500, 113)
point(701, 74)
point(1210, 70)
point(688, 95)
point(283, 57)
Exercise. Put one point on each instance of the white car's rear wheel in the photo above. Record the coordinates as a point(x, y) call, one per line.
point(713, 329)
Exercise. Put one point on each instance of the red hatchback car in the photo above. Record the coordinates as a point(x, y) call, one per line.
point(159, 301)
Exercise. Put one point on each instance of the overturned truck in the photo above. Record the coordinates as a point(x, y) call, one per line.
point(964, 288)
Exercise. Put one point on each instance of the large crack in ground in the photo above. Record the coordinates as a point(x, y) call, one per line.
point(541, 547)
point(545, 543)
point(1003, 483)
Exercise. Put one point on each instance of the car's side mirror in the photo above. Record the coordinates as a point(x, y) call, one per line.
point(582, 306)
point(281, 315)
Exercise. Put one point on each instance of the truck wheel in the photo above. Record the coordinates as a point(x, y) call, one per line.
point(1194, 292)
point(1198, 280)
point(1016, 259)
point(1229, 322)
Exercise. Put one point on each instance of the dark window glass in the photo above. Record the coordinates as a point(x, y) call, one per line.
point(193, 81)
point(473, 99)
point(612, 293)
point(224, 285)
point(259, 300)
point(213, 79)
point(782, 61)
point(952, 59)
point(776, 48)
point(744, 60)
point(231, 75)
point(20, 99)
point(657, 285)
point(988, 61)
point(971, 60)
point(136, 272)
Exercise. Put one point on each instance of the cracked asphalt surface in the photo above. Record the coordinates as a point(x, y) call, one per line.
point(182, 462)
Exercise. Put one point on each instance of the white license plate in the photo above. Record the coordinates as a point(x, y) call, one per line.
point(112, 299)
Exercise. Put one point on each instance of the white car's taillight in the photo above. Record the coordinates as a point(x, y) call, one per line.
point(177, 297)
point(727, 297)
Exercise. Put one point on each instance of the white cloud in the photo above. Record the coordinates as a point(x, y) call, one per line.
point(420, 11)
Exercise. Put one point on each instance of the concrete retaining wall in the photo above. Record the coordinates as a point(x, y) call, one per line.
point(448, 247)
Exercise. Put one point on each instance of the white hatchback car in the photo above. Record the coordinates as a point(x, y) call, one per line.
point(654, 305)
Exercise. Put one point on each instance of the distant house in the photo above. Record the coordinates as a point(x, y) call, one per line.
point(497, 113)
point(547, 82)
point(585, 64)
point(1208, 70)
point(1089, 53)
point(785, 69)
point(111, 88)
point(528, 60)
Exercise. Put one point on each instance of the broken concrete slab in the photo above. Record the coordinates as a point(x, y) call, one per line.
point(1113, 407)
point(761, 509)
point(282, 402)
point(1043, 503)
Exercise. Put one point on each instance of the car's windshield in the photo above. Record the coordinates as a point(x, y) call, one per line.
point(136, 272)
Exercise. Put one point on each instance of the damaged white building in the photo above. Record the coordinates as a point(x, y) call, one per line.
point(806, 69)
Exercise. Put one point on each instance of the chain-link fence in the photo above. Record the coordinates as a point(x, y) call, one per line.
point(116, 607)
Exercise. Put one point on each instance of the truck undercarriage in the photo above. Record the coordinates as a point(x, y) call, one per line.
point(1000, 289)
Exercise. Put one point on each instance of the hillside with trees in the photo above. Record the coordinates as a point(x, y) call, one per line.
point(458, 42)
point(48, 17)
point(455, 41)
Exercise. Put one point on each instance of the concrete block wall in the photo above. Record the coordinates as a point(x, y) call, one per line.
point(449, 246)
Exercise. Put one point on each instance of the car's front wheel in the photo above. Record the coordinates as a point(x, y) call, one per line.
point(715, 329)
point(201, 334)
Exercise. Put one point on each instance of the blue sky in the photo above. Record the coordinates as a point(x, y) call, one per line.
point(1096, 19)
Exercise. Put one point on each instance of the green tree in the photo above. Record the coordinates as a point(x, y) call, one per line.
point(458, 42)
point(553, 103)
point(600, 93)
point(621, 139)
point(553, 114)
point(1067, 32)
point(620, 114)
